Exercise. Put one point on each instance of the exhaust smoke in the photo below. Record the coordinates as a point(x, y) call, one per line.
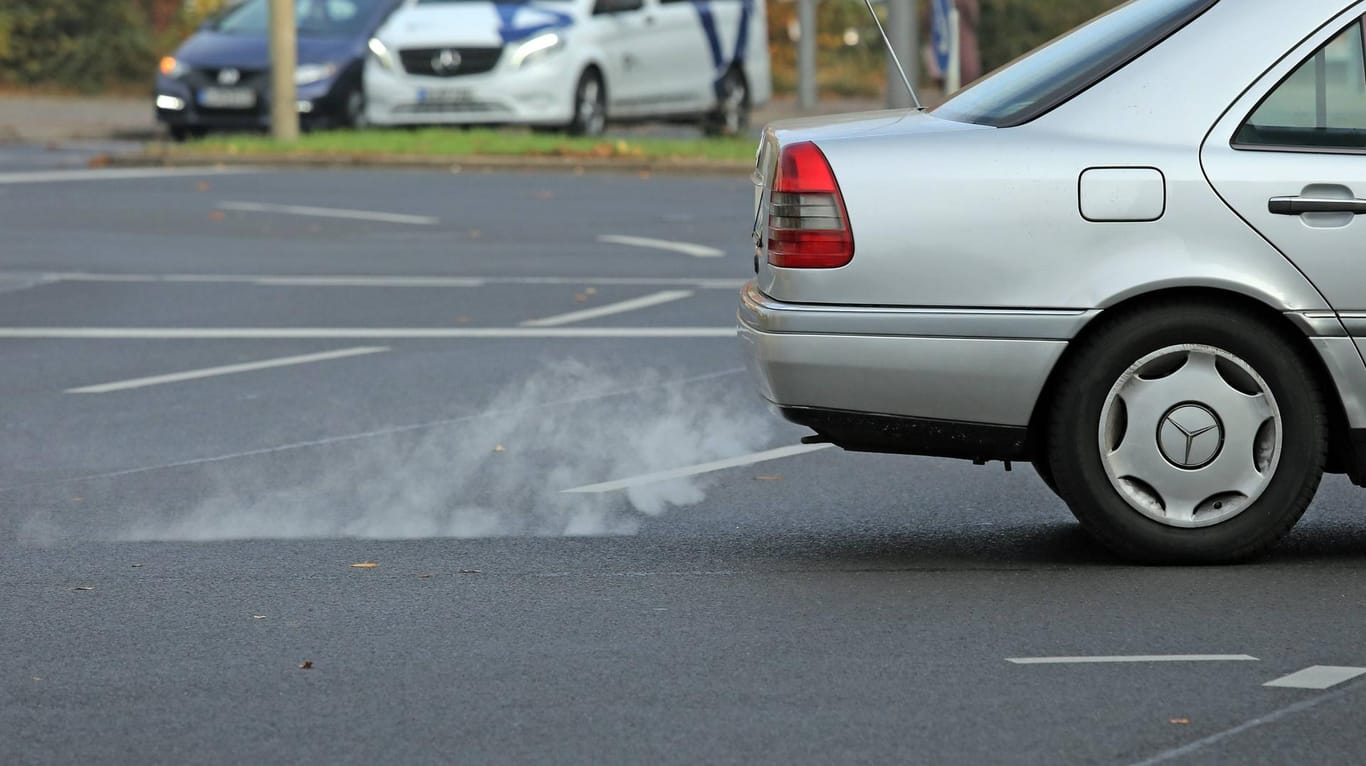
point(499, 473)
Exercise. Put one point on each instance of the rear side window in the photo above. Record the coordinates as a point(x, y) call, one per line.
point(1043, 80)
point(1321, 105)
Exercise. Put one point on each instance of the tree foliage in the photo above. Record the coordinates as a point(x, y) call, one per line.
point(89, 44)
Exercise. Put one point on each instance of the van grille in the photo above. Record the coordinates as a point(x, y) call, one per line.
point(463, 61)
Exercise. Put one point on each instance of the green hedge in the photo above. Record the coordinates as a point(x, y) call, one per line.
point(89, 45)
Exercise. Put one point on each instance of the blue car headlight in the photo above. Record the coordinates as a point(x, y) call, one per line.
point(307, 74)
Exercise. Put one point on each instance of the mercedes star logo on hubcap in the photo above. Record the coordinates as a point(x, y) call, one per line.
point(1190, 436)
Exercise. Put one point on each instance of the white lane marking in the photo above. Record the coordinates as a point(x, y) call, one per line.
point(227, 369)
point(645, 301)
point(328, 212)
point(1272, 717)
point(1317, 677)
point(694, 470)
point(356, 333)
point(339, 280)
point(115, 174)
point(687, 248)
point(1133, 658)
point(382, 432)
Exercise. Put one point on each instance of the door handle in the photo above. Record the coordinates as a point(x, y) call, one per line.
point(1302, 205)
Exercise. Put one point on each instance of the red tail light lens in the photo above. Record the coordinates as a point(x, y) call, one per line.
point(808, 227)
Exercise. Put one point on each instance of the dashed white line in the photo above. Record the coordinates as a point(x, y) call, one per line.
point(115, 174)
point(694, 470)
point(327, 212)
point(228, 369)
point(355, 333)
point(687, 248)
point(342, 280)
point(645, 301)
point(1133, 658)
point(1317, 677)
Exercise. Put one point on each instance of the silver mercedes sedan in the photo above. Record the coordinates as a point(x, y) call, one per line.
point(1131, 258)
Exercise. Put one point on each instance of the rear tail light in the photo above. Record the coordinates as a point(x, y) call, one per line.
point(808, 227)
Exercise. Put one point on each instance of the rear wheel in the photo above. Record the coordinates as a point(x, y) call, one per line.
point(590, 106)
point(1188, 434)
point(354, 116)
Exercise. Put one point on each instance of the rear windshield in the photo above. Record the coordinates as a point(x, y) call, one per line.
point(1042, 80)
point(314, 18)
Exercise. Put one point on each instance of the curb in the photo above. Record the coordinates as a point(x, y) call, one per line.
point(449, 163)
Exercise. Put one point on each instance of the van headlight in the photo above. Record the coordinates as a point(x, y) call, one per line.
point(307, 74)
point(382, 54)
point(537, 47)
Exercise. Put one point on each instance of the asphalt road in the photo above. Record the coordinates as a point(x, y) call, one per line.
point(411, 383)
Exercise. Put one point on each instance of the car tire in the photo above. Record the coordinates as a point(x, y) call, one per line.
point(590, 106)
point(1188, 434)
point(732, 113)
point(354, 116)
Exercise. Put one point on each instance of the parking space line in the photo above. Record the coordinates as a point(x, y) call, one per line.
point(1191, 748)
point(228, 369)
point(694, 470)
point(327, 212)
point(115, 174)
point(1133, 658)
point(1317, 677)
point(342, 280)
point(687, 248)
point(355, 333)
point(645, 301)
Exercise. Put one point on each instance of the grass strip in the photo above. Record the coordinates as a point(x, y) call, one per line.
point(441, 142)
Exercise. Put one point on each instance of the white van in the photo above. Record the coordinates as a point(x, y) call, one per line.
point(569, 63)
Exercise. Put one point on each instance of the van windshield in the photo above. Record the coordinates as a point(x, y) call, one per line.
point(1046, 78)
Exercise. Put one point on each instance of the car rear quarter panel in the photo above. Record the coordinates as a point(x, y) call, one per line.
point(990, 217)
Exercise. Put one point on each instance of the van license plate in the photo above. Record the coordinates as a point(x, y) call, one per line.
point(444, 96)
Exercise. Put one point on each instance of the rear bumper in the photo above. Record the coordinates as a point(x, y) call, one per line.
point(930, 380)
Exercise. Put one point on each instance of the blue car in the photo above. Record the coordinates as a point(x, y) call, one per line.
point(219, 79)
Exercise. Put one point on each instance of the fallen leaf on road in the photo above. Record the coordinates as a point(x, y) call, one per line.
point(424, 576)
point(476, 234)
point(500, 448)
point(1181, 721)
point(216, 215)
point(462, 320)
point(644, 175)
point(768, 478)
point(136, 566)
point(84, 587)
point(307, 665)
point(590, 291)
point(471, 571)
point(580, 298)
point(365, 565)
point(544, 195)
point(202, 186)
point(258, 617)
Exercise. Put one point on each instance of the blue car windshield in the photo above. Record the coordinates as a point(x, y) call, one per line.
point(314, 18)
point(1040, 81)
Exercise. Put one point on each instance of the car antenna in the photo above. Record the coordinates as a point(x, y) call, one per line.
point(899, 68)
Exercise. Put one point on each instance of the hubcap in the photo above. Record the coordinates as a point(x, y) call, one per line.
point(1190, 435)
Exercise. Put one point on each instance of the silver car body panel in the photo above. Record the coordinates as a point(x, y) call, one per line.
point(950, 214)
point(979, 251)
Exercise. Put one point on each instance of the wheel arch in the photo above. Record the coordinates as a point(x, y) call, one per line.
point(1342, 456)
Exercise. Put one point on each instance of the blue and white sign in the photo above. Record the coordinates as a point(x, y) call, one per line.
point(939, 33)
